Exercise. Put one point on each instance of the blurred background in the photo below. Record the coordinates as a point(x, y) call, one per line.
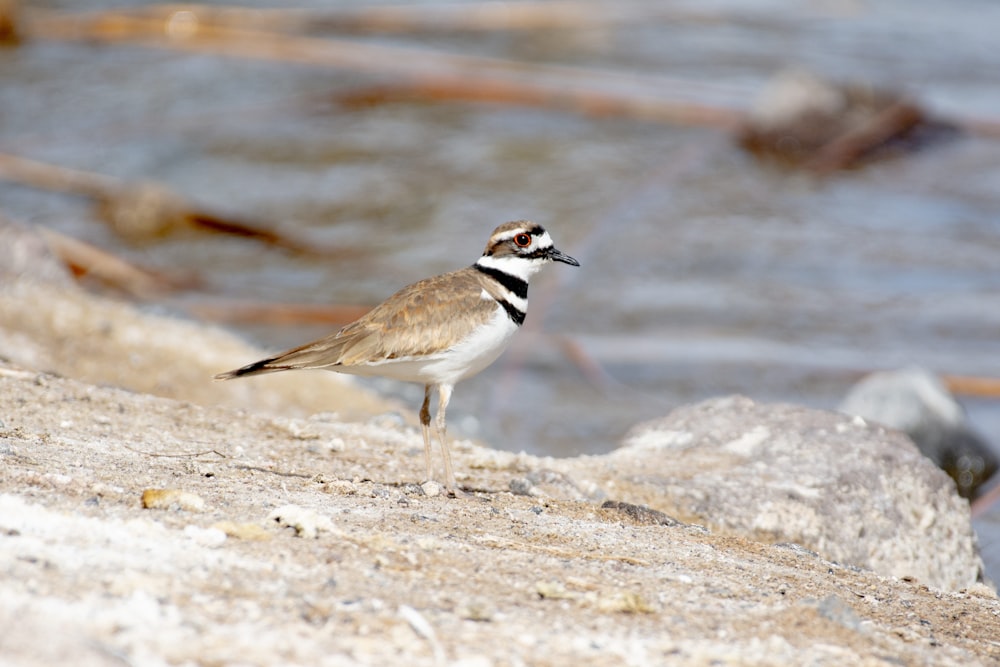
point(311, 162)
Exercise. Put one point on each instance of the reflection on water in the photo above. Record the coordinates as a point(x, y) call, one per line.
point(703, 272)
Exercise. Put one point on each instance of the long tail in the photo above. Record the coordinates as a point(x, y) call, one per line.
point(256, 368)
point(323, 353)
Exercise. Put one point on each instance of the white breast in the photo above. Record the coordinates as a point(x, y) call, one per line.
point(480, 349)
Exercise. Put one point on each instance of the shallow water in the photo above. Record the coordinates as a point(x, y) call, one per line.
point(703, 271)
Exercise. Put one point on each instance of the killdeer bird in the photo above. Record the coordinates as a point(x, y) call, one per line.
point(436, 331)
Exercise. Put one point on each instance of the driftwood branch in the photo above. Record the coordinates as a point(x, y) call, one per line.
point(647, 97)
point(972, 385)
point(483, 16)
point(86, 260)
point(143, 210)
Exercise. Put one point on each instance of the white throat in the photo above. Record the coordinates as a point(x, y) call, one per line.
point(520, 267)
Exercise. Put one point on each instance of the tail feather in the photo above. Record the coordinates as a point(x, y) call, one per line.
point(322, 353)
point(256, 368)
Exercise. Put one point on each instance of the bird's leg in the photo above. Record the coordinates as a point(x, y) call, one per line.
point(444, 395)
point(425, 426)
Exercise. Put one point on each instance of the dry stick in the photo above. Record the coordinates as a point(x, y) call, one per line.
point(280, 473)
point(545, 96)
point(982, 127)
point(583, 360)
point(581, 90)
point(181, 455)
point(19, 374)
point(430, 17)
point(9, 23)
point(971, 385)
point(44, 176)
point(138, 209)
point(88, 260)
point(962, 385)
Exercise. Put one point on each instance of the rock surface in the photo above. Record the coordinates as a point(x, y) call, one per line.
point(185, 528)
point(60, 329)
point(915, 401)
point(856, 493)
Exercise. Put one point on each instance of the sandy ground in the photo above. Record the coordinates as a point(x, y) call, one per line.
point(194, 527)
point(300, 541)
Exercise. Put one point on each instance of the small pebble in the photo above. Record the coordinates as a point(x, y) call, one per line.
point(58, 479)
point(102, 489)
point(300, 431)
point(424, 629)
point(161, 499)
point(431, 488)
point(797, 548)
point(388, 420)
point(520, 486)
point(341, 487)
point(206, 537)
point(641, 514)
point(626, 602)
point(553, 590)
point(476, 610)
point(243, 531)
point(306, 522)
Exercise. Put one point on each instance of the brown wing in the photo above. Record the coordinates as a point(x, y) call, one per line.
point(419, 319)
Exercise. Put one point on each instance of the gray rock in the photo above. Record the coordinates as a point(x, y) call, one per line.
point(916, 402)
point(855, 493)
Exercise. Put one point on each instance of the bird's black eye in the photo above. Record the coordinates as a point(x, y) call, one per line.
point(522, 240)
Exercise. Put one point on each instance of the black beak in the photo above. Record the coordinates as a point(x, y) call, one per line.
point(557, 256)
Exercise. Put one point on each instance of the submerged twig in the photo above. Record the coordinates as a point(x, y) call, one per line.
point(619, 93)
point(481, 16)
point(972, 385)
point(585, 362)
point(86, 260)
point(139, 211)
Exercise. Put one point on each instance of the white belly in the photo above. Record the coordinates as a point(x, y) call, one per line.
point(464, 359)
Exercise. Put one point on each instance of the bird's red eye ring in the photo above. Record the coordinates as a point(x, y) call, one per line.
point(522, 240)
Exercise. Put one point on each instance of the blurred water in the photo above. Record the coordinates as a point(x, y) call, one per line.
point(703, 272)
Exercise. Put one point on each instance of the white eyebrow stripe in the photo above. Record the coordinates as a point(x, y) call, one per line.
point(543, 240)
